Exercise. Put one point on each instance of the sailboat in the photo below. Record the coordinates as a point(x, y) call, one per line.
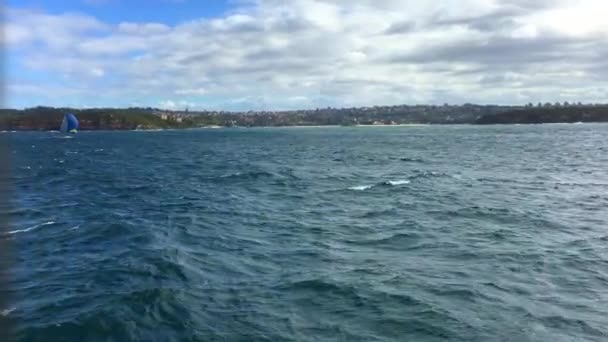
point(69, 124)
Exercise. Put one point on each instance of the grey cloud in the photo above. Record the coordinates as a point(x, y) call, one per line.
point(498, 19)
point(502, 50)
point(250, 27)
point(401, 27)
point(503, 17)
point(534, 5)
point(198, 57)
point(269, 65)
point(290, 24)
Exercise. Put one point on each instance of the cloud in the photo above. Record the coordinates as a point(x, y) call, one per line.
point(46, 31)
point(97, 72)
point(306, 53)
point(142, 29)
point(173, 105)
point(167, 104)
point(401, 27)
point(197, 91)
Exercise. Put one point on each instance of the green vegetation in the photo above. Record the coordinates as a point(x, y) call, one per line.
point(49, 118)
point(537, 115)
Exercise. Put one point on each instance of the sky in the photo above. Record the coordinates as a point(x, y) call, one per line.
point(274, 54)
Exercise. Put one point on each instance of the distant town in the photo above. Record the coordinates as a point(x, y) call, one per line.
point(49, 118)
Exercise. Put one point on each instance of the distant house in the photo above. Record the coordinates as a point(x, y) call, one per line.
point(164, 116)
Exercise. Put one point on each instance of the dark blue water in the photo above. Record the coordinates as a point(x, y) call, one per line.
point(439, 233)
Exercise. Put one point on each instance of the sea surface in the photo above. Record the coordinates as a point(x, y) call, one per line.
point(422, 233)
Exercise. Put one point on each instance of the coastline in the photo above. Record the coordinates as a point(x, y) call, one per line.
point(302, 126)
point(146, 119)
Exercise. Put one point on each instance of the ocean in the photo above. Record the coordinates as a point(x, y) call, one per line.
point(422, 233)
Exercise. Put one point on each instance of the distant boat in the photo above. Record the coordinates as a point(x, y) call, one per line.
point(69, 124)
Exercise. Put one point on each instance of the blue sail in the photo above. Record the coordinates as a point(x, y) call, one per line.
point(69, 124)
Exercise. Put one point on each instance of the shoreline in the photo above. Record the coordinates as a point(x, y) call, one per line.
point(302, 126)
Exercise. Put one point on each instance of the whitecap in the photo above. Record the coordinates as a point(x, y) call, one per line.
point(6, 312)
point(361, 187)
point(30, 228)
point(148, 130)
point(75, 227)
point(230, 175)
point(399, 182)
point(384, 183)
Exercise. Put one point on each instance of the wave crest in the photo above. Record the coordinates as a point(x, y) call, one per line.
point(383, 183)
point(12, 232)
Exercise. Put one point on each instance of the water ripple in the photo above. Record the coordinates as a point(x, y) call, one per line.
point(431, 233)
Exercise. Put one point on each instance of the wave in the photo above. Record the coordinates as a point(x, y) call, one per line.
point(384, 183)
point(422, 174)
point(6, 312)
point(397, 239)
point(397, 182)
point(429, 174)
point(412, 160)
point(361, 187)
point(246, 175)
point(12, 232)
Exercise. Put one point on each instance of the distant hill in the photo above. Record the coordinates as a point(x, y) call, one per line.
point(49, 118)
point(538, 115)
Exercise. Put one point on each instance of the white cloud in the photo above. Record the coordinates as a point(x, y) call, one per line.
point(167, 104)
point(276, 54)
point(49, 31)
point(176, 105)
point(297, 98)
point(97, 72)
point(197, 91)
point(142, 29)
